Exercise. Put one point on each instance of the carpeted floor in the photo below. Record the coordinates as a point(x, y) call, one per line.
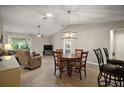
point(44, 77)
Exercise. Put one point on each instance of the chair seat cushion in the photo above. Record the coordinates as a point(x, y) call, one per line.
point(61, 65)
point(77, 65)
point(112, 69)
point(115, 62)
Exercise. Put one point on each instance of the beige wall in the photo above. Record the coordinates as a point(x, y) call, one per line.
point(36, 43)
point(56, 41)
point(90, 36)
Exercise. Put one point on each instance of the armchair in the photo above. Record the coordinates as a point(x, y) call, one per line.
point(28, 61)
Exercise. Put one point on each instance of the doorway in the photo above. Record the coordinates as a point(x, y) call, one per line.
point(117, 43)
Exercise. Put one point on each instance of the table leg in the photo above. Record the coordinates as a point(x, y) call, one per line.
point(69, 69)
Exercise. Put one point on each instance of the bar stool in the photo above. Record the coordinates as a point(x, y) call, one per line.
point(112, 74)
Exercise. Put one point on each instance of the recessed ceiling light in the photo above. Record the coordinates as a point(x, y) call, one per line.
point(49, 14)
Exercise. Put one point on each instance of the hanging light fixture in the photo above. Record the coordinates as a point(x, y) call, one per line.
point(39, 32)
point(39, 26)
point(69, 34)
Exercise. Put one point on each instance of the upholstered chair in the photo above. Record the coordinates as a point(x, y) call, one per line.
point(27, 61)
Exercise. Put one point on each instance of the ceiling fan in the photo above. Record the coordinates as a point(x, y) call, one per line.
point(39, 26)
point(39, 33)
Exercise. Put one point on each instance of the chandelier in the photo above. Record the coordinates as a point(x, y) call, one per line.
point(69, 34)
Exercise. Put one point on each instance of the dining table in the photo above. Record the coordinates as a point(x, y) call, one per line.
point(69, 58)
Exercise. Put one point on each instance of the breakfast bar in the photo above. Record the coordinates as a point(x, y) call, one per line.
point(10, 72)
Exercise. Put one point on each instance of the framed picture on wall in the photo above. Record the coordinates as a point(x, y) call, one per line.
point(1, 38)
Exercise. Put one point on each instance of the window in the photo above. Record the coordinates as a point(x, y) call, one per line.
point(20, 43)
point(69, 46)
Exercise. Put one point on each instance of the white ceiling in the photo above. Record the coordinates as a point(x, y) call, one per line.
point(24, 19)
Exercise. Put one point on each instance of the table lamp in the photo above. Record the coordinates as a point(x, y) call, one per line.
point(8, 48)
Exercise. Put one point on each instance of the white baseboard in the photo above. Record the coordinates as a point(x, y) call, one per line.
point(93, 63)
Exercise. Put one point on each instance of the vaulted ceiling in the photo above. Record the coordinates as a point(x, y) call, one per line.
point(25, 19)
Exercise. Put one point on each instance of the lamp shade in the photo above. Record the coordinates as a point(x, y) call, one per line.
point(8, 47)
point(69, 35)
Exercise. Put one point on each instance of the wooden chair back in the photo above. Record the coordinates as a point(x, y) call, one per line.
point(57, 56)
point(59, 50)
point(78, 52)
point(84, 57)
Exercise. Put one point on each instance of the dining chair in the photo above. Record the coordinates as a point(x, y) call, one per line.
point(111, 74)
point(78, 52)
point(59, 64)
point(59, 50)
point(80, 64)
point(106, 52)
point(111, 61)
point(84, 61)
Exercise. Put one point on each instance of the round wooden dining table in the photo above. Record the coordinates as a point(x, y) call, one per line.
point(69, 58)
